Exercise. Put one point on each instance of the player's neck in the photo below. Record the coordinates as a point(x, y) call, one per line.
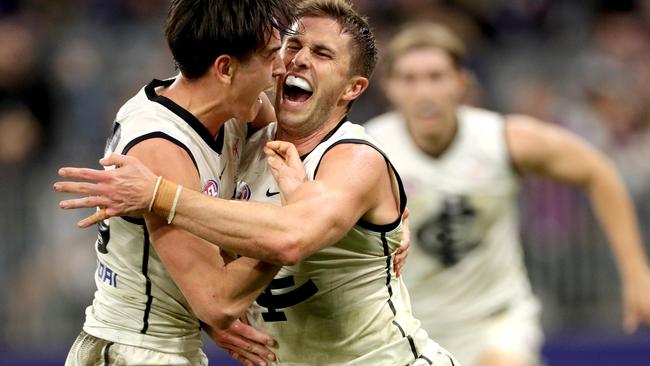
point(200, 98)
point(306, 136)
point(436, 144)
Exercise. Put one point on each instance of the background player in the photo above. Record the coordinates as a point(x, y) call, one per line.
point(152, 294)
point(462, 167)
point(337, 301)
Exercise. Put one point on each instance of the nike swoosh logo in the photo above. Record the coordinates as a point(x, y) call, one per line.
point(271, 194)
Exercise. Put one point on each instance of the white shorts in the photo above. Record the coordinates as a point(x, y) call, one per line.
point(88, 350)
point(516, 331)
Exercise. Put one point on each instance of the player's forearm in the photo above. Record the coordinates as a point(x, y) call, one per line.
point(220, 297)
point(279, 235)
point(245, 278)
point(615, 211)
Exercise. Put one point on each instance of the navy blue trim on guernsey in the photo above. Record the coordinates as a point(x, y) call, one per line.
point(402, 193)
point(150, 90)
point(423, 357)
point(384, 243)
point(106, 349)
point(409, 338)
point(133, 220)
point(145, 269)
point(153, 135)
point(159, 135)
point(327, 137)
point(399, 328)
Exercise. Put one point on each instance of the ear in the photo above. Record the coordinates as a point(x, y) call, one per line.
point(356, 86)
point(225, 67)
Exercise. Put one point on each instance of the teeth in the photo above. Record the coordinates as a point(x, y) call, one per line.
point(298, 82)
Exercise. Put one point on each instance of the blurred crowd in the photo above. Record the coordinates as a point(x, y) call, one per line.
point(67, 65)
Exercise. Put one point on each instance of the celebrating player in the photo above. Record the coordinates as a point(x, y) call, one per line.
point(337, 300)
point(462, 167)
point(152, 293)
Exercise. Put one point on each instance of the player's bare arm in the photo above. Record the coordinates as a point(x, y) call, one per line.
point(346, 189)
point(353, 182)
point(288, 171)
point(128, 190)
point(217, 291)
point(541, 148)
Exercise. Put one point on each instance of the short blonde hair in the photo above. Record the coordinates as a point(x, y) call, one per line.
point(364, 50)
point(424, 35)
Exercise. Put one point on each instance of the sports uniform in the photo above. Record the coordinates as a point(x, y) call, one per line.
point(465, 271)
point(342, 305)
point(137, 306)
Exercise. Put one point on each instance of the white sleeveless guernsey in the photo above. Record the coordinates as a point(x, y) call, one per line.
point(342, 305)
point(466, 263)
point(137, 303)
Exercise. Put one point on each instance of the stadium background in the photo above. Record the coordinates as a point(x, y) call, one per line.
point(67, 65)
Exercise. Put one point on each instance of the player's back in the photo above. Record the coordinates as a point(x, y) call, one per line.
point(342, 305)
point(137, 303)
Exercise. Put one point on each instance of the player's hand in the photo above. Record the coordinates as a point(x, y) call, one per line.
point(244, 343)
point(286, 166)
point(125, 190)
point(402, 252)
point(636, 300)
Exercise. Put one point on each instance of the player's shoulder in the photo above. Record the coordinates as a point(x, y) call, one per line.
point(384, 124)
point(352, 158)
point(473, 114)
point(138, 112)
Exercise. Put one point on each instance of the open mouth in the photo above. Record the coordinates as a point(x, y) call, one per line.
point(296, 89)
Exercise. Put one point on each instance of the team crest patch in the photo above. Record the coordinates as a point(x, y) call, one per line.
point(211, 188)
point(243, 192)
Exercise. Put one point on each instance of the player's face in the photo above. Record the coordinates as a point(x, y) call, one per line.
point(256, 75)
point(426, 88)
point(317, 60)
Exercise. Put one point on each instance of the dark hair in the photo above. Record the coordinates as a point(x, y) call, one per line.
point(199, 31)
point(364, 56)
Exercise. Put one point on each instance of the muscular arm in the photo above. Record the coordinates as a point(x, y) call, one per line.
point(546, 150)
point(352, 182)
point(218, 290)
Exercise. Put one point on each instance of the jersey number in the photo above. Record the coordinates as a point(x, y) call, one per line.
point(285, 300)
point(445, 235)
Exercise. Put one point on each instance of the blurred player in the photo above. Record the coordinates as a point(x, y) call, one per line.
point(461, 167)
point(337, 301)
point(152, 292)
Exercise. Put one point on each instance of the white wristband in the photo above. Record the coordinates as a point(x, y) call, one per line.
point(172, 212)
point(155, 192)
